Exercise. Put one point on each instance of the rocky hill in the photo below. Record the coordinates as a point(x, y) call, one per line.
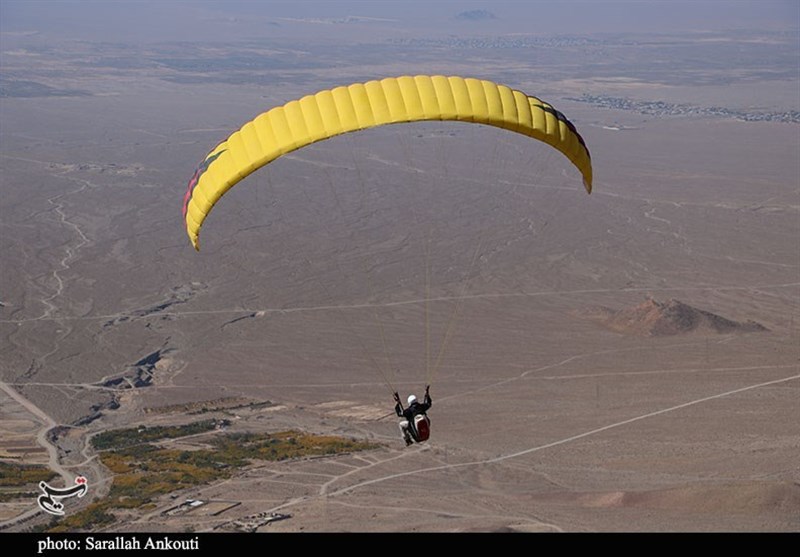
point(653, 318)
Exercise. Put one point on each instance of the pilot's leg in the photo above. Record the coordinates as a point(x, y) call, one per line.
point(404, 429)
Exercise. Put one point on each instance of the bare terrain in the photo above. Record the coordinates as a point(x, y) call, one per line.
point(451, 254)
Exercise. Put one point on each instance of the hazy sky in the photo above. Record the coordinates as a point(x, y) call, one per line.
point(157, 20)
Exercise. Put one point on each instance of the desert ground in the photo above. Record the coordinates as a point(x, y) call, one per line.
point(625, 361)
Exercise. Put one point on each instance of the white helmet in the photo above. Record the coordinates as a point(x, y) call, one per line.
point(411, 399)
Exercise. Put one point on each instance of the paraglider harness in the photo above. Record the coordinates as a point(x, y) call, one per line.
point(415, 414)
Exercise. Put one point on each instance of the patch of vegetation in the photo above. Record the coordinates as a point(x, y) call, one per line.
point(122, 438)
point(226, 405)
point(16, 480)
point(143, 472)
point(9, 496)
point(240, 447)
point(21, 475)
point(93, 516)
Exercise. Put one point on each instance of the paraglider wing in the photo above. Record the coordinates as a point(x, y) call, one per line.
point(364, 105)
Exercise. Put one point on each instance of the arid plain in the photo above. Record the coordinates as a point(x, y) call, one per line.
point(451, 254)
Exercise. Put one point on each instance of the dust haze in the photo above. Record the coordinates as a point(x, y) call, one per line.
point(625, 361)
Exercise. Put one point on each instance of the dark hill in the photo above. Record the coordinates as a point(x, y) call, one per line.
point(654, 318)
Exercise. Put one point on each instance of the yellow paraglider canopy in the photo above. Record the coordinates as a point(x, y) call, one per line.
point(360, 106)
